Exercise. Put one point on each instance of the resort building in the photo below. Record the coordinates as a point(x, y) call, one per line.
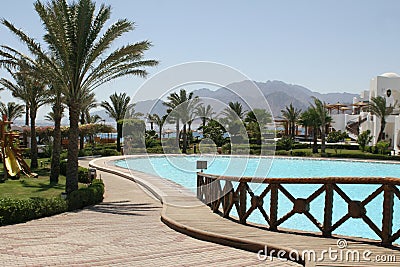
point(357, 119)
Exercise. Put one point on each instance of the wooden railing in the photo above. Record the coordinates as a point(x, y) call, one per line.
point(223, 199)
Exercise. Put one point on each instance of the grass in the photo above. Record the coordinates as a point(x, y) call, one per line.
point(27, 187)
point(30, 187)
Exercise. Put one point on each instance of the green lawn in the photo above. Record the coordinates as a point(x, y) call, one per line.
point(27, 187)
point(30, 187)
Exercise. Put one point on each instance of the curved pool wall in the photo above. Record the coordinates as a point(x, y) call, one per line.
point(182, 170)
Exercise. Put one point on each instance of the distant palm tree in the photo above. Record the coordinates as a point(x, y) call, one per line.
point(88, 103)
point(261, 116)
point(93, 118)
point(324, 119)
point(12, 110)
point(85, 57)
point(56, 116)
point(378, 107)
point(205, 113)
point(117, 110)
point(182, 106)
point(234, 109)
point(150, 118)
point(309, 118)
point(33, 92)
point(159, 121)
point(291, 115)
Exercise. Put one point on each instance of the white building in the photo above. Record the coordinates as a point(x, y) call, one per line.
point(386, 85)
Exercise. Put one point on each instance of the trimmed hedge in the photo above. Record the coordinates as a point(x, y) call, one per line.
point(22, 210)
point(86, 196)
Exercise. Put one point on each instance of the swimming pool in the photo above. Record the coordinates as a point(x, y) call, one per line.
point(182, 170)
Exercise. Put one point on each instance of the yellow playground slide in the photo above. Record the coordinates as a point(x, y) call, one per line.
point(11, 162)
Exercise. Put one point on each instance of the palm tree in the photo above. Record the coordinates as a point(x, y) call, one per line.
point(56, 114)
point(291, 115)
point(378, 107)
point(159, 121)
point(76, 37)
point(12, 110)
point(88, 102)
point(33, 92)
point(234, 109)
point(151, 118)
point(205, 113)
point(182, 106)
point(117, 110)
point(324, 119)
point(309, 118)
point(93, 118)
point(261, 116)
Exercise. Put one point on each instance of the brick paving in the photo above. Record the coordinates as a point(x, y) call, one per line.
point(125, 230)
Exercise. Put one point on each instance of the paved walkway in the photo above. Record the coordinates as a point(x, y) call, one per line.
point(125, 230)
point(185, 213)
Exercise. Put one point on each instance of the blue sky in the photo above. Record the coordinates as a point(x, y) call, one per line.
point(326, 46)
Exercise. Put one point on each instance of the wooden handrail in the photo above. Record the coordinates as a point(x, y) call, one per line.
point(210, 191)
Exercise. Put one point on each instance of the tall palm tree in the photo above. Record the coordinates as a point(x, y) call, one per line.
point(12, 110)
point(205, 113)
point(183, 106)
point(33, 92)
point(159, 121)
point(117, 110)
point(234, 109)
point(322, 114)
point(378, 107)
point(291, 115)
point(76, 36)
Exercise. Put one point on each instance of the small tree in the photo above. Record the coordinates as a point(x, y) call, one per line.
point(364, 139)
point(335, 137)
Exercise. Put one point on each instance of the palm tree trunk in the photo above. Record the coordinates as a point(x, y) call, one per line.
point(315, 144)
point(323, 139)
point(152, 125)
point(119, 135)
point(380, 135)
point(34, 148)
point(55, 158)
point(177, 132)
point(73, 136)
point(184, 147)
point(204, 122)
point(160, 132)
point(81, 137)
point(26, 115)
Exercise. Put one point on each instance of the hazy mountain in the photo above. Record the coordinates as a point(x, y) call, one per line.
point(278, 94)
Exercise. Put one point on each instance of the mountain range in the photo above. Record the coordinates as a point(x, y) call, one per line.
point(278, 94)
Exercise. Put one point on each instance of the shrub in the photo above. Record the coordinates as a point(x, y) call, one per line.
point(109, 152)
point(86, 196)
point(285, 143)
point(83, 175)
point(382, 146)
point(156, 150)
point(364, 139)
point(22, 210)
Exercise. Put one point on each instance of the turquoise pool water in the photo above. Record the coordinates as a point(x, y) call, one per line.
point(182, 170)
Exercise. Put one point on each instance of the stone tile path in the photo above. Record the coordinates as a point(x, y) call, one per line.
point(125, 230)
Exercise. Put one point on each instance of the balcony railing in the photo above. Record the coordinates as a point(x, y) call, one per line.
point(224, 199)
